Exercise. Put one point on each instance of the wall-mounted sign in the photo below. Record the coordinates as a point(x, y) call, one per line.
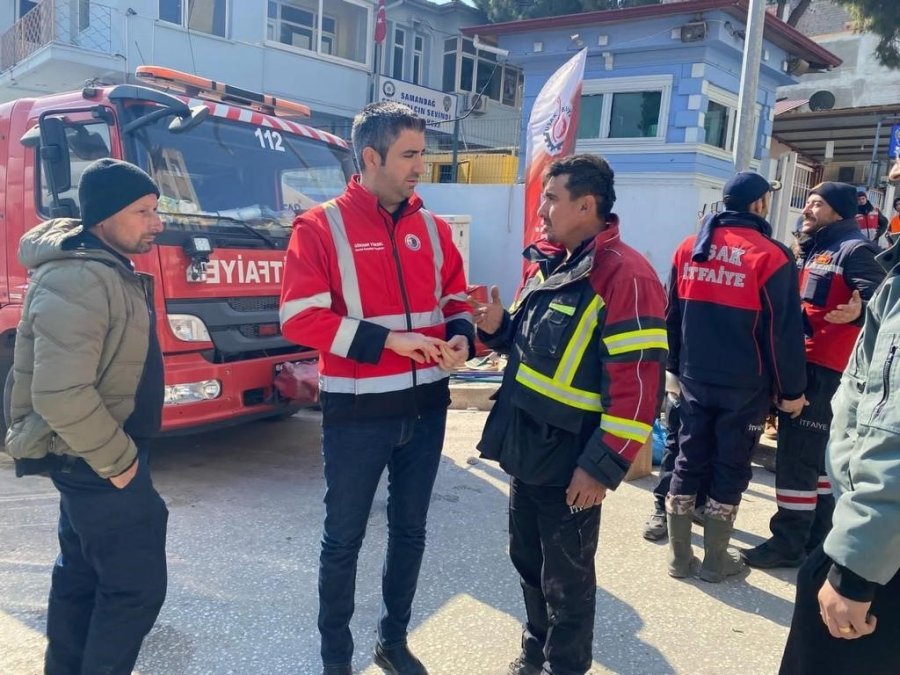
point(431, 104)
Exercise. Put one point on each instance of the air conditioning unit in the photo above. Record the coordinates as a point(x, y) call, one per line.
point(693, 31)
point(477, 104)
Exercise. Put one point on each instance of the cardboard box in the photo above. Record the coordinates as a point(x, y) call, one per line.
point(643, 463)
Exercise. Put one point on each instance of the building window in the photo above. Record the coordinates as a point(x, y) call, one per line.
point(418, 64)
point(330, 27)
point(468, 70)
point(719, 125)
point(635, 114)
point(84, 14)
point(26, 6)
point(206, 16)
point(620, 108)
point(397, 54)
point(590, 116)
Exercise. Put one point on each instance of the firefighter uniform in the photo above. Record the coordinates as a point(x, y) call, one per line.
point(586, 343)
point(837, 260)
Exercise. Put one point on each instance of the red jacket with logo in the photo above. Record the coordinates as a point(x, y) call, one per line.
point(837, 260)
point(354, 273)
point(733, 315)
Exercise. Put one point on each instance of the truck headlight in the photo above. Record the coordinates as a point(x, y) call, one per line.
point(188, 328)
point(192, 392)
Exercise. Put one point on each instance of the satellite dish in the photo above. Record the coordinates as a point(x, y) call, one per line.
point(821, 100)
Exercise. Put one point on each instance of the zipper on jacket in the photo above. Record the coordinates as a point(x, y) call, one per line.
point(886, 379)
point(392, 231)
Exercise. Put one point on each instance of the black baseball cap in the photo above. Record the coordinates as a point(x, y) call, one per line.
point(745, 188)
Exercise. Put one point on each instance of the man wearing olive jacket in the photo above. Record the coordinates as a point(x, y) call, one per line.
point(850, 588)
point(87, 390)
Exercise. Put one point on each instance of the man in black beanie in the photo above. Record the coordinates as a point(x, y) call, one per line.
point(87, 393)
point(838, 275)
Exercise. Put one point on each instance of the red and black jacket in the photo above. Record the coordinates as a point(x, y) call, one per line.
point(586, 343)
point(837, 260)
point(733, 316)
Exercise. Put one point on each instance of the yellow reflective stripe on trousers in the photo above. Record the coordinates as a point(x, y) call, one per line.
point(635, 340)
point(567, 395)
point(623, 428)
point(581, 338)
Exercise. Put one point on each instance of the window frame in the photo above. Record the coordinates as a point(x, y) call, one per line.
point(730, 100)
point(398, 46)
point(186, 13)
point(486, 59)
point(418, 59)
point(323, 37)
point(609, 87)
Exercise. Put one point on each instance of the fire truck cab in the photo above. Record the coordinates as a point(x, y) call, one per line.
point(234, 167)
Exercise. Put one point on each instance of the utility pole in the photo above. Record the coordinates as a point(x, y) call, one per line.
point(753, 40)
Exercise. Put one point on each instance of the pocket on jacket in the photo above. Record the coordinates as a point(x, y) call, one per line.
point(547, 336)
point(878, 410)
point(815, 290)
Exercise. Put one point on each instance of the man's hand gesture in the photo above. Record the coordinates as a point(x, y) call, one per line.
point(419, 348)
point(454, 353)
point(584, 490)
point(846, 619)
point(846, 313)
point(793, 407)
point(488, 317)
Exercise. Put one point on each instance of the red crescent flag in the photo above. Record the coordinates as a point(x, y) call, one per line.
point(551, 134)
point(380, 23)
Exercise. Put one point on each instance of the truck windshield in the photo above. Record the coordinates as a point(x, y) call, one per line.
point(224, 176)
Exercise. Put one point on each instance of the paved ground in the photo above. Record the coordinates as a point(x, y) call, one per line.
point(243, 544)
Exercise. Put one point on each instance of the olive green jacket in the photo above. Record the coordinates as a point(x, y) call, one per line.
point(80, 351)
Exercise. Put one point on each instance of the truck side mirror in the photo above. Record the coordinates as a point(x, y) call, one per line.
point(55, 155)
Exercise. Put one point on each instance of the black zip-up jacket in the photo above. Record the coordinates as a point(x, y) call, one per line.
point(733, 316)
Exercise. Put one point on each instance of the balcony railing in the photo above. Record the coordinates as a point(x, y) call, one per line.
point(77, 23)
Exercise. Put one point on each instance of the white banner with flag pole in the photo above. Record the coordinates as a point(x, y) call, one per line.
point(551, 133)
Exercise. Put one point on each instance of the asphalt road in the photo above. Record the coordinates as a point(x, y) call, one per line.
point(244, 530)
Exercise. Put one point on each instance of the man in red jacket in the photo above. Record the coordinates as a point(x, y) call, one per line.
point(373, 281)
point(839, 274)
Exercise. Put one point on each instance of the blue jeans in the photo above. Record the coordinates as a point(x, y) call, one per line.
point(356, 454)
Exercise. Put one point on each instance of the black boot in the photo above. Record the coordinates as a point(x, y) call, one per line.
point(398, 661)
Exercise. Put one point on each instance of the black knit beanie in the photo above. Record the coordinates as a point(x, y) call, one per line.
point(109, 185)
point(839, 196)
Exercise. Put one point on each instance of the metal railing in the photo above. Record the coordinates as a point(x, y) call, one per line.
point(78, 23)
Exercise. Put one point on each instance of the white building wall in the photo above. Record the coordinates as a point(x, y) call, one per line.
point(644, 205)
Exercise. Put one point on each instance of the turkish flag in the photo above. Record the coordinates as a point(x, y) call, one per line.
point(551, 134)
point(380, 23)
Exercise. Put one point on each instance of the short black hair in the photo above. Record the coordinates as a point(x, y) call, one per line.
point(588, 175)
point(378, 125)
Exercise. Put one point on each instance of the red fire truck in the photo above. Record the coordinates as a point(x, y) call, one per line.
point(233, 167)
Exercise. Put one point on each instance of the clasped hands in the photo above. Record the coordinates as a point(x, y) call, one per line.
point(448, 354)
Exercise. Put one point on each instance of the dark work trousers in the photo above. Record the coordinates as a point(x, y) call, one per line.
point(810, 649)
point(670, 454)
point(553, 551)
point(356, 454)
point(109, 581)
point(802, 488)
point(720, 426)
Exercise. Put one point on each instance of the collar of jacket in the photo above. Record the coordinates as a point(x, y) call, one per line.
point(360, 195)
point(703, 243)
point(88, 241)
point(890, 259)
point(837, 231)
point(551, 258)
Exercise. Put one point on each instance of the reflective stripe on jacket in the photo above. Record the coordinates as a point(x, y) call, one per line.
point(587, 342)
point(351, 276)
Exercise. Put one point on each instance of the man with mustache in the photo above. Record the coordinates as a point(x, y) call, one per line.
point(838, 277)
point(87, 394)
point(374, 282)
point(582, 387)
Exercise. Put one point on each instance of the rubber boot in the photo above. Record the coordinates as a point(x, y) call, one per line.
point(719, 561)
point(679, 515)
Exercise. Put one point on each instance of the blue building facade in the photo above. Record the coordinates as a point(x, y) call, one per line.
point(660, 100)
